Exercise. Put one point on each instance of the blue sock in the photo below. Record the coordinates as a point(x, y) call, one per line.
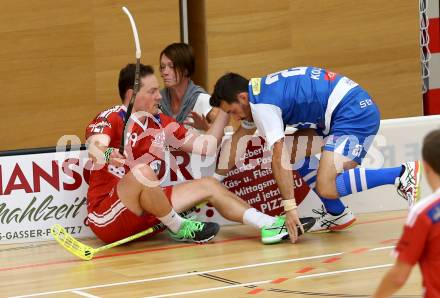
point(333, 206)
point(308, 171)
point(360, 179)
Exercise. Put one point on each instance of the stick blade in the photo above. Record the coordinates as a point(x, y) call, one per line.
point(72, 245)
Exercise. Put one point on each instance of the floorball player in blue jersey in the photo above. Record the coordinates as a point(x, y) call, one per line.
point(319, 104)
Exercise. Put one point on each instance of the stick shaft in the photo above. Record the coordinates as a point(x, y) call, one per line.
point(135, 32)
point(136, 77)
point(140, 234)
point(125, 240)
point(130, 105)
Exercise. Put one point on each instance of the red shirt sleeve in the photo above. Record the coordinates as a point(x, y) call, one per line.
point(174, 132)
point(103, 124)
point(412, 242)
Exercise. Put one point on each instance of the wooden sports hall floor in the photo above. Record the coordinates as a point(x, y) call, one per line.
point(236, 264)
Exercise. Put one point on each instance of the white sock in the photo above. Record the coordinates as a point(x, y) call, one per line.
point(172, 220)
point(257, 219)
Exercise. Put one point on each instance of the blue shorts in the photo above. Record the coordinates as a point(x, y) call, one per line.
point(354, 125)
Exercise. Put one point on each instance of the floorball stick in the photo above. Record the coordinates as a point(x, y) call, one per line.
point(86, 252)
point(136, 78)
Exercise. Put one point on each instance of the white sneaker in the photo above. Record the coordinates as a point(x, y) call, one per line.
point(328, 222)
point(408, 184)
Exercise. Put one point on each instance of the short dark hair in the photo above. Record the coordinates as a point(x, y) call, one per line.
point(431, 150)
point(227, 87)
point(126, 77)
point(181, 54)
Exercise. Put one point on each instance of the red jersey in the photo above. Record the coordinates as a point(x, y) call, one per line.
point(145, 143)
point(420, 242)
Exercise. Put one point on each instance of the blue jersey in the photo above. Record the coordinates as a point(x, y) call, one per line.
point(303, 97)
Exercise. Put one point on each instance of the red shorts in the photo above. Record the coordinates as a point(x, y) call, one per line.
point(111, 221)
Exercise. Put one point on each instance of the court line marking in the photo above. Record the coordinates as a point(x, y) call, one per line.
point(330, 260)
point(279, 280)
point(382, 248)
point(305, 269)
point(389, 241)
point(343, 271)
point(191, 274)
point(182, 275)
point(212, 289)
point(380, 220)
point(84, 294)
point(255, 291)
point(359, 250)
point(334, 259)
point(133, 252)
point(268, 281)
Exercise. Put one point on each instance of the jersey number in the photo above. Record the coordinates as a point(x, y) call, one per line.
point(273, 77)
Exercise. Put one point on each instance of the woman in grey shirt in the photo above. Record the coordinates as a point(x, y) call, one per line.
point(183, 100)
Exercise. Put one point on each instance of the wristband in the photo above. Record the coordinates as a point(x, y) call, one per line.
point(219, 177)
point(289, 204)
point(248, 124)
point(107, 154)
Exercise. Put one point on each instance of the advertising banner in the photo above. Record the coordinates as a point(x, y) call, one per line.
point(252, 180)
point(39, 190)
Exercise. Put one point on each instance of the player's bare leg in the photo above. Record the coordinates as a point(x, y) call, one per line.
point(140, 198)
point(303, 143)
point(191, 193)
point(334, 215)
point(231, 207)
point(330, 165)
point(139, 192)
point(339, 176)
